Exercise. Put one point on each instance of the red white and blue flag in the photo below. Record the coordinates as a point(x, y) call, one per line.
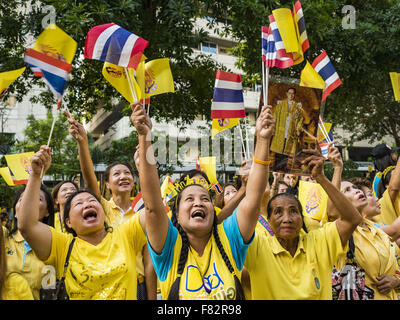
point(137, 203)
point(323, 65)
point(112, 43)
point(54, 72)
point(279, 45)
point(228, 99)
point(301, 25)
point(269, 53)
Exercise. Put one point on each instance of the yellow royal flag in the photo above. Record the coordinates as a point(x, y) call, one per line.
point(8, 77)
point(55, 43)
point(395, 78)
point(219, 125)
point(5, 173)
point(209, 166)
point(117, 77)
point(313, 199)
point(158, 77)
point(311, 78)
point(20, 164)
point(287, 29)
point(168, 187)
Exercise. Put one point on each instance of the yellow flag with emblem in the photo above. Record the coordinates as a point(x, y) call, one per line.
point(55, 43)
point(20, 164)
point(8, 77)
point(311, 78)
point(5, 173)
point(313, 199)
point(395, 78)
point(219, 125)
point(117, 77)
point(157, 77)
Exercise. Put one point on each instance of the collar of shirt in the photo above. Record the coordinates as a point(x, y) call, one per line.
point(277, 248)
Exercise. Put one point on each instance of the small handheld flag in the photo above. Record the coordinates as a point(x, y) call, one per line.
point(137, 203)
point(395, 79)
point(112, 43)
point(323, 65)
point(300, 25)
point(55, 72)
point(20, 166)
point(269, 51)
point(219, 125)
point(5, 173)
point(7, 78)
point(310, 78)
point(228, 99)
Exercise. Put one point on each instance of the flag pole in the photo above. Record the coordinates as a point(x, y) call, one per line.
point(241, 138)
point(266, 86)
point(263, 81)
point(48, 142)
point(247, 138)
point(128, 76)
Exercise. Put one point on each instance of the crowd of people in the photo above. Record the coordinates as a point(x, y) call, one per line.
point(252, 241)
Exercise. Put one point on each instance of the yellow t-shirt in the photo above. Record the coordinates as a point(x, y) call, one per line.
point(204, 277)
point(375, 254)
point(276, 275)
point(115, 216)
point(106, 271)
point(389, 210)
point(21, 259)
point(16, 288)
point(58, 224)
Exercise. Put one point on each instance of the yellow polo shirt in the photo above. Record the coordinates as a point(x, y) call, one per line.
point(276, 275)
point(389, 210)
point(21, 259)
point(16, 288)
point(376, 255)
point(106, 271)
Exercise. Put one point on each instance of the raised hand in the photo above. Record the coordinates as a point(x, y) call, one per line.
point(265, 126)
point(334, 156)
point(315, 161)
point(140, 119)
point(76, 129)
point(41, 159)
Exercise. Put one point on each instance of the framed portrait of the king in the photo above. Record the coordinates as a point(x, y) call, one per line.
point(296, 111)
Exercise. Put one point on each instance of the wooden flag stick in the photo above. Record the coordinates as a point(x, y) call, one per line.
point(241, 138)
point(263, 82)
point(247, 138)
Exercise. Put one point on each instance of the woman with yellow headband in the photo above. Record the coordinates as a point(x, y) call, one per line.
point(194, 257)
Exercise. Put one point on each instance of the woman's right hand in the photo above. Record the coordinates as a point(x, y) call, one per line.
point(334, 156)
point(41, 160)
point(140, 119)
point(76, 129)
point(265, 125)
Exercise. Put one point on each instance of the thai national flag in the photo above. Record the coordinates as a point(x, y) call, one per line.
point(269, 53)
point(111, 43)
point(228, 99)
point(55, 72)
point(279, 45)
point(323, 65)
point(301, 24)
point(137, 203)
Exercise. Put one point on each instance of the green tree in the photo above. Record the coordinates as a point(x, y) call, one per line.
point(169, 26)
point(64, 152)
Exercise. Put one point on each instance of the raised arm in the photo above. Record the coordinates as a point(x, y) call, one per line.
point(36, 233)
point(349, 217)
point(233, 203)
point(156, 218)
point(394, 184)
point(336, 159)
point(85, 160)
point(248, 209)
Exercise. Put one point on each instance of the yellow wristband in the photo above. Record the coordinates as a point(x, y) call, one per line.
point(265, 163)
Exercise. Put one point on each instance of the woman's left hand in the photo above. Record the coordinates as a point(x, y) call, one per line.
point(386, 283)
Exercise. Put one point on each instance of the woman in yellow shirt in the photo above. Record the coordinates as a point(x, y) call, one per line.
point(193, 255)
point(102, 264)
point(20, 257)
point(60, 194)
point(119, 180)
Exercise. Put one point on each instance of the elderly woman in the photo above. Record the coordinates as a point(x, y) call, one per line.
point(293, 265)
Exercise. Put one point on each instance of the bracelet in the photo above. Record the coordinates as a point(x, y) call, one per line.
point(265, 163)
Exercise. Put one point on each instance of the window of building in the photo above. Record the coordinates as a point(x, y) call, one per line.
point(209, 47)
